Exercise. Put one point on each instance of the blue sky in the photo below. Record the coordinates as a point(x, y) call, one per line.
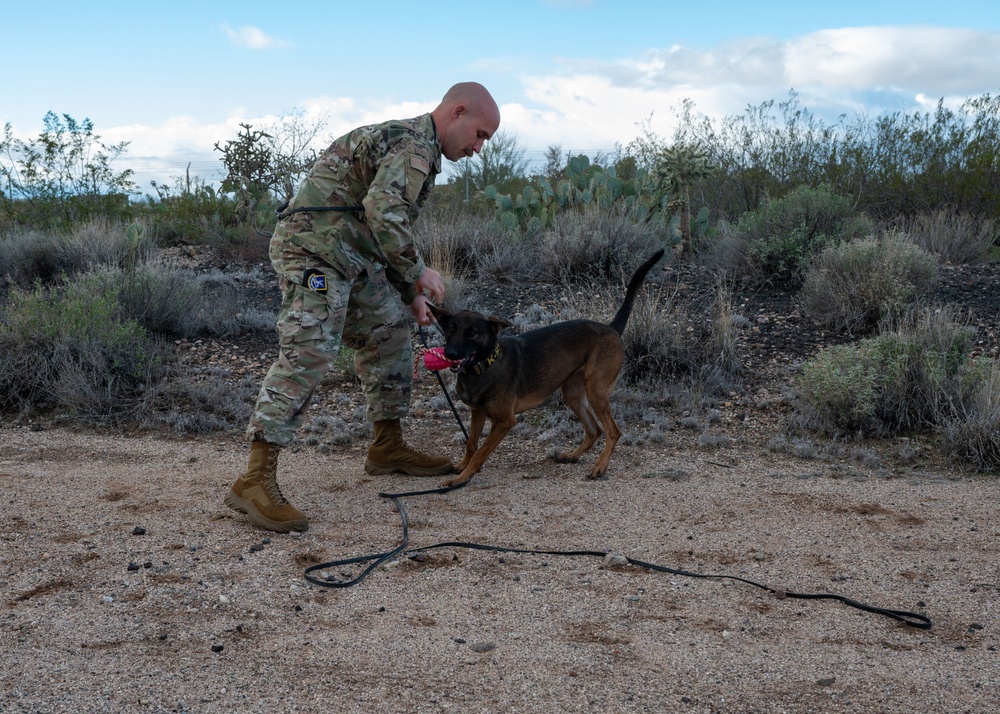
point(173, 78)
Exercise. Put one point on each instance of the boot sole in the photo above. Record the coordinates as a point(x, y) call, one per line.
point(247, 507)
point(376, 469)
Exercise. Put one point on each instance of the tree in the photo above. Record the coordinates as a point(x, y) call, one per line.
point(63, 176)
point(291, 140)
point(501, 164)
point(554, 163)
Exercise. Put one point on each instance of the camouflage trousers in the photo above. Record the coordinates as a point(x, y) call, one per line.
point(319, 310)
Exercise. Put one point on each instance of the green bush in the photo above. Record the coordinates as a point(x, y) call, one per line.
point(162, 299)
point(852, 286)
point(910, 377)
point(972, 433)
point(30, 255)
point(837, 390)
point(67, 350)
point(784, 235)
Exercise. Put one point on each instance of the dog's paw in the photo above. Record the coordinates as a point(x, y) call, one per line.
point(462, 478)
point(596, 475)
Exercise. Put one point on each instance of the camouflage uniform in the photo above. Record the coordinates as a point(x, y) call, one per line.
point(335, 270)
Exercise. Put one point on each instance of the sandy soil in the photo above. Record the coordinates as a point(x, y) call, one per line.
point(128, 586)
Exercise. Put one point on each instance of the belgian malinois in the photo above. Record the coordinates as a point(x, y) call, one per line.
point(500, 377)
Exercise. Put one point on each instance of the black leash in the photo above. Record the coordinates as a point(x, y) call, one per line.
point(313, 575)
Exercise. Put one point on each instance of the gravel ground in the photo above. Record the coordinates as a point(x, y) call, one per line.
point(128, 586)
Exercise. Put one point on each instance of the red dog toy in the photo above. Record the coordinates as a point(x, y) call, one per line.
point(435, 360)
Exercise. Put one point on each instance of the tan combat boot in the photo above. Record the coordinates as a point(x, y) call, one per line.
point(389, 454)
point(256, 493)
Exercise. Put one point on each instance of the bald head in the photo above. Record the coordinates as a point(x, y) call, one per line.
point(466, 118)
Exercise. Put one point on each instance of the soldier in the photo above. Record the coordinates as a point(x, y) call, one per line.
point(339, 247)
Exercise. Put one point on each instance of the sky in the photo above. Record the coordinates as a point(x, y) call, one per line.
point(174, 78)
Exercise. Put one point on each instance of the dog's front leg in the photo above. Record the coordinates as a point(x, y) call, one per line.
point(476, 424)
point(498, 430)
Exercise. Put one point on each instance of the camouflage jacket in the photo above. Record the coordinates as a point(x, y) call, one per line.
point(388, 169)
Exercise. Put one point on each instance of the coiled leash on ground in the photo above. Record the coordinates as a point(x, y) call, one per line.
point(910, 619)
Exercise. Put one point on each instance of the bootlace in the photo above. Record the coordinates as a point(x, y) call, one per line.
point(271, 482)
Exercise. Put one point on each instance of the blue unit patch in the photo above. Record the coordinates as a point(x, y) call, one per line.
point(314, 280)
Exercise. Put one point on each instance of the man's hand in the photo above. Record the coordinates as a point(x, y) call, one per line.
point(431, 283)
point(420, 310)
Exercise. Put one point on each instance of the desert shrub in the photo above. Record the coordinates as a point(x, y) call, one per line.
point(199, 403)
point(972, 433)
point(783, 236)
point(909, 377)
point(475, 247)
point(837, 391)
point(163, 299)
point(663, 342)
point(724, 250)
point(594, 243)
point(67, 350)
point(852, 286)
point(27, 255)
point(100, 241)
point(31, 255)
point(954, 237)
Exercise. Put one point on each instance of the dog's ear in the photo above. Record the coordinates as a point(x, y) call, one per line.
point(497, 324)
point(440, 314)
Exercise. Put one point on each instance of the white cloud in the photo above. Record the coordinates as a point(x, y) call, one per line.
point(252, 38)
point(591, 105)
point(595, 104)
point(933, 60)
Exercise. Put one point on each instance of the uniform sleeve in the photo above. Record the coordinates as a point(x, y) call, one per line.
point(393, 199)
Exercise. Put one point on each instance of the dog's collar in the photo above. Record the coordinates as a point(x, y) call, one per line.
point(479, 367)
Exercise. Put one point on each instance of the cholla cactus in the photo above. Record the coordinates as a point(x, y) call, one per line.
point(677, 167)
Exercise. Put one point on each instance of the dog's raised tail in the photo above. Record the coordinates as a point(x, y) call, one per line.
point(621, 318)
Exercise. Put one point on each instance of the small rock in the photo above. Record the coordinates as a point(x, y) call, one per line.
point(132, 567)
point(217, 648)
point(614, 560)
point(256, 548)
point(483, 647)
point(138, 530)
point(828, 682)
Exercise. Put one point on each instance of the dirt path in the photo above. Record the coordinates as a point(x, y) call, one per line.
point(127, 586)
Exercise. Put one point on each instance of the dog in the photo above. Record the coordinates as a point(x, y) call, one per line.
point(500, 377)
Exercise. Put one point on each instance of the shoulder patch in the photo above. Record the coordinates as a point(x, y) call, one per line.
point(314, 280)
point(420, 164)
